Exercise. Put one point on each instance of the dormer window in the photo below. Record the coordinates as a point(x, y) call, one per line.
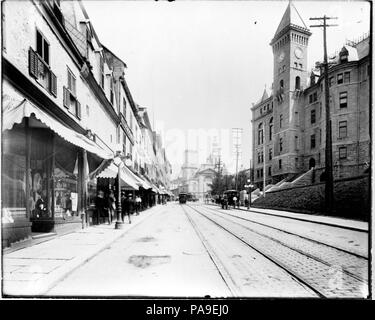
point(344, 54)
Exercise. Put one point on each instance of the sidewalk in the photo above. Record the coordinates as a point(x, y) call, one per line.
point(34, 270)
point(326, 220)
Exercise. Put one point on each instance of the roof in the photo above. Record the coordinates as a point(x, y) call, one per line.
point(290, 17)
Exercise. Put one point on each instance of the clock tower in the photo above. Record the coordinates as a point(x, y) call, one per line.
point(289, 46)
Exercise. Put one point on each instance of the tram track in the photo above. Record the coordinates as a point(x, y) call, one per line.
point(262, 244)
point(220, 265)
point(312, 256)
point(361, 256)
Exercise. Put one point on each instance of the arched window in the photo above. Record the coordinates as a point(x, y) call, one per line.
point(260, 133)
point(298, 83)
point(271, 128)
point(281, 84)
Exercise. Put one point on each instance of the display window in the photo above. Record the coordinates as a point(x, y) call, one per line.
point(13, 174)
point(65, 179)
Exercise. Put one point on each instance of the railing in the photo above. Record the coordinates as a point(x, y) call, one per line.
point(41, 71)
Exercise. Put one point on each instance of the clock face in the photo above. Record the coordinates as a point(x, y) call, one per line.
point(298, 53)
point(281, 56)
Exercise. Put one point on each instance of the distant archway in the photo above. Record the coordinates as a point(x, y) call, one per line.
point(311, 163)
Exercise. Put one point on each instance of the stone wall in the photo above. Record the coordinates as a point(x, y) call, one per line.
point(352, 198)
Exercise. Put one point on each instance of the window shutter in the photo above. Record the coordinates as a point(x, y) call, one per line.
point(66, 97)
point(33, 63)
point(78, 109)
point(53, 84)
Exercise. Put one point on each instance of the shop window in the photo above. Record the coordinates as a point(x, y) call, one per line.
point(65, 176)
point(343, 129)
point(342, 153)
point(41, 160)
point(13, 172)
point(343, 100)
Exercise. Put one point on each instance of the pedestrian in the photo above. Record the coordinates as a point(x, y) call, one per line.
point(234, 202)
point(130, 205)
point(138, 203)
point(125, 207)
point(111, 206)
point(101, 205)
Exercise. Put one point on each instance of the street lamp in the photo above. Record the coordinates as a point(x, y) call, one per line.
point(250, 186)
point(118, 162)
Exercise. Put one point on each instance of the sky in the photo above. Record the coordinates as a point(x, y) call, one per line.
point(199, 65)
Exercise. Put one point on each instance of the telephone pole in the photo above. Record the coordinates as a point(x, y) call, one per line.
point(329, 195)
point(218, 166)
point(237, 132)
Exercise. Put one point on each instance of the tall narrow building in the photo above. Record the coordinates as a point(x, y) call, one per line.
point(288, 124)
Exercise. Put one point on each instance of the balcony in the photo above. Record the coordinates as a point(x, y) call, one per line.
point(42, 73)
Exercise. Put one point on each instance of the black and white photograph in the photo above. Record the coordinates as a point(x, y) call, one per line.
point(186, 149)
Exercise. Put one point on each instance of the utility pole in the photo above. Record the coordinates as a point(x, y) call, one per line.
point(237, 135)
point(329, 195)
point(218, 165)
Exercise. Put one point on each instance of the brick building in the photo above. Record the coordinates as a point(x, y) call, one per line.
point(288, 124)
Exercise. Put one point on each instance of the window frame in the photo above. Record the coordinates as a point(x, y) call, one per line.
point(343, 105)
point(340, 78)
point(343, 127)
point(342, 148)
point(44, 40)
point(313, 116)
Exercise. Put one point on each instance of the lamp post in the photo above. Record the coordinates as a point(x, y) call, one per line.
point(118, 162)
point(249, 185)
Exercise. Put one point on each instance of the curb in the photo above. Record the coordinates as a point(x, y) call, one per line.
point(359, 229)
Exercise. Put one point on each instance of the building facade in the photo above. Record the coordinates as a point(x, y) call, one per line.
point(66, 108)
point(288, 124)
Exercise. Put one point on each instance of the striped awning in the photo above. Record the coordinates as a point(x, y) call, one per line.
point(127, 180)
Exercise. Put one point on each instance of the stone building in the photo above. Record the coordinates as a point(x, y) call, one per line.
point(288, 124)
point(63, 118)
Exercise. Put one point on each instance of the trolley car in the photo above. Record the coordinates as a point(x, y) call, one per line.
point(182, 197)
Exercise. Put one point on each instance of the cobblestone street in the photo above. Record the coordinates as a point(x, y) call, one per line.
point(199, 250)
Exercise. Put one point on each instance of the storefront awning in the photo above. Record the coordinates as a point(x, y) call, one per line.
point(126, 178)
point(13, 114)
